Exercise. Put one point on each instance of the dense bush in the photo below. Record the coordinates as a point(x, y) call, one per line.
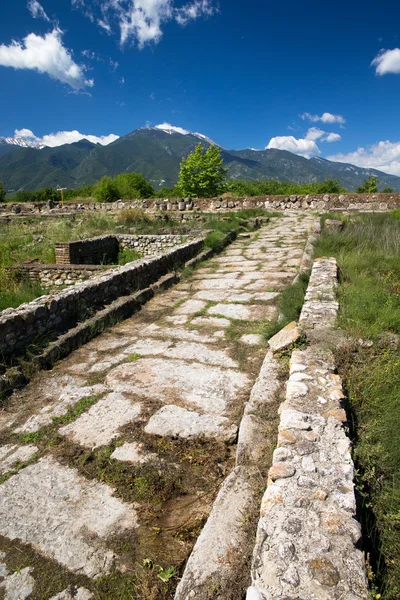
point(269, 187)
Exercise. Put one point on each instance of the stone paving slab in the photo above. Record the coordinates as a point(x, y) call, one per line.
point(207, 388)
point(101, 423)
point(174, 421)
point(243, 313)
point(64, 516)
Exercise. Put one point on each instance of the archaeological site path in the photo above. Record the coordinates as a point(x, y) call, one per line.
point(111, 461)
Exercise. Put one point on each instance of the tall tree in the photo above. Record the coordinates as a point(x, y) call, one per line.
point(369, 186)
point(202, 173)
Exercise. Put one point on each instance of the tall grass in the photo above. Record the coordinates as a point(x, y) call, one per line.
point(368, 254)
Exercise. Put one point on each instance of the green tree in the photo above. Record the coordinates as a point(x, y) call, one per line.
point(106, 190)
point(387, 190)
point(133, 185)
point(369, 186)
point(202, 173)
point(2, 193)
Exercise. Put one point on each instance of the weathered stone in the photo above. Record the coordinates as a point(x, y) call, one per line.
point(205, 387)
point(324, 571)
point(284, 338)
point(18, 585)
point(64, 516)
point(11, 455)
point(101, 423)
point(174, 421)
point(73, 594)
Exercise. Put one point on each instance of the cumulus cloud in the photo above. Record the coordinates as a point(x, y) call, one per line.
point(65, 137)
point(314, 133)
point(332, 137)
point(37, 11)
point(387, 61)
point(46, 55)
point(326, 117)
point(384, 156)
point(142, 21)
point(302, 146)
point(193, 11)
point(167, 127)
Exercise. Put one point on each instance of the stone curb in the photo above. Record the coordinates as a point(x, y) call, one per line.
point(307, 534)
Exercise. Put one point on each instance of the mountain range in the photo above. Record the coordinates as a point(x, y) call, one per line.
point(156, 153)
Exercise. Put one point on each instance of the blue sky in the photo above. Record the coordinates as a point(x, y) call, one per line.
point(311, 77)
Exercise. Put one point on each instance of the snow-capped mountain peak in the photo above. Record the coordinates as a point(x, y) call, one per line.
point(21, 142)
point(168, 128)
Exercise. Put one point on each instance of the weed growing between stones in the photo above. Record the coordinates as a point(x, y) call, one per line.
point(367, 251)
point(289, 304)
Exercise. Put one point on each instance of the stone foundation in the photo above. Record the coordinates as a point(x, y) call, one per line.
point(22, 326)
point(188, 210)
point(50, 276)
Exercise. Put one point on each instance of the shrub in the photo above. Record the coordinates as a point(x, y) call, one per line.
point(106, 190)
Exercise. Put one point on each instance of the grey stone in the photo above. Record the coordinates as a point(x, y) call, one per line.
point(174, 421)
point(64, 516)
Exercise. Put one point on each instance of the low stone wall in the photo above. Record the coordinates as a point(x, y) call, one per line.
point(188, 209)
point(151, 244)
point(56, 275)
point(307, 534)
point(22, 326)
point(95, 251)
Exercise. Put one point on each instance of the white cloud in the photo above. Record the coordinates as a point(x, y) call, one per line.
point(314, 133)
point(65, 137)
point(142, 21)
point(326, 117)
point(168, 128)
point(192, 11)
point(47, 55)
point(332, 137)
point(302, 147)
point(384, 156)
point(37, 11)
point(387, 61)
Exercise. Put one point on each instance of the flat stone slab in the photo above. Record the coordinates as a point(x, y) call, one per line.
point(210, 322)
point(174, 421)
point(177, 333)
point(201, 353)
point(190, 307)
point(18, 585)
point(69, 594)
point(131, 452)
point(208, 388)
point(221, 296)
point(11, 455)
point(243, 313)
point(70, 395)
point(252, 339)
point(64, 516)
point(100, 424)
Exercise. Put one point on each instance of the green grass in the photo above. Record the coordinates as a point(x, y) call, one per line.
point(14, 292)
point(289, 305)
point(368, 255)
point(127, 255)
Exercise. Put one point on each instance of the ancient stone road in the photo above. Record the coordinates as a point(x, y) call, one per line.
point(116, 454)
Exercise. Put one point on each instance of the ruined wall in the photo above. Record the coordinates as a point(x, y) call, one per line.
point(152, 244)
point(349, 201)
point(56, 275)
point(95, 251)
point(21, 326)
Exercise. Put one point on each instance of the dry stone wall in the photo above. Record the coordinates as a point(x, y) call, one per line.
point(94, 251)
point(187, 209)
point(50, 276)
point(151, 244)
point(307, 535)
point(22, 326)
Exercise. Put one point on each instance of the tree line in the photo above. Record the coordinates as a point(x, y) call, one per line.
point(201, 175)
